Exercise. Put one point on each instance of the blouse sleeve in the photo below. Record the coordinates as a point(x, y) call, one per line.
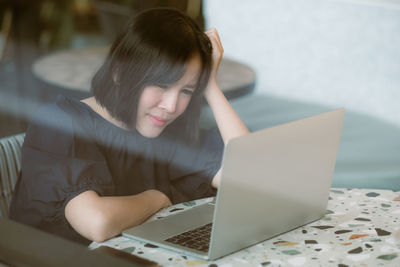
point(52, 171)
point(193, 168)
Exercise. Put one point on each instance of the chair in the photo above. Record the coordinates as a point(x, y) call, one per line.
point(10, 165)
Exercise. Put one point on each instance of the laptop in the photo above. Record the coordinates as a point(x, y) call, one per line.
point(272, 181)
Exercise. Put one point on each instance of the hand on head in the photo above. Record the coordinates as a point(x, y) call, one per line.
point(217, 52)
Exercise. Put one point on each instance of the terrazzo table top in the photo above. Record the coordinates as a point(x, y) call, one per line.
point(361, 227)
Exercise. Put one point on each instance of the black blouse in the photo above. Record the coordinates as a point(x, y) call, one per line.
point(69, 149)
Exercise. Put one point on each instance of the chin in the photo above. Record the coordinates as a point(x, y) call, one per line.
point(151, 133)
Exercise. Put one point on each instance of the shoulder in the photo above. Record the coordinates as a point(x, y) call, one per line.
point(51, 115)
point(51, 128)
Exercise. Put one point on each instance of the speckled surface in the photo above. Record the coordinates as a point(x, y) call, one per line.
point(361, 228)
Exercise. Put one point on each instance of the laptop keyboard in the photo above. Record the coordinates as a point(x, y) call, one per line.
point(198, 238)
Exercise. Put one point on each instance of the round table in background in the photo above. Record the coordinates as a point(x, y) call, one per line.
point(70, 72)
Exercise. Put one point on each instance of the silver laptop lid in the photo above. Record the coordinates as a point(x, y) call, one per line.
point(275, 180)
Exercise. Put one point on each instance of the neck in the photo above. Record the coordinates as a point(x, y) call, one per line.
point(103, 112)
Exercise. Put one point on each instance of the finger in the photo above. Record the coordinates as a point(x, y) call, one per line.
point(215, 40)
point(216, 43)
point(212, 32)
point(214, 36)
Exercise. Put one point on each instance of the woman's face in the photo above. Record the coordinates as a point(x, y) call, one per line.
point(160, 106)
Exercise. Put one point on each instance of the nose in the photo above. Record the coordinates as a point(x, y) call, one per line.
point(169, 101)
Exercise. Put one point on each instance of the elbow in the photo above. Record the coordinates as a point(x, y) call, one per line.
point(93, 225)
point(99, 237)
point(100, 229)
point(87, 215)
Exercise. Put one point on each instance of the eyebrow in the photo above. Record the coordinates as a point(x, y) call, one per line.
point(191, 86)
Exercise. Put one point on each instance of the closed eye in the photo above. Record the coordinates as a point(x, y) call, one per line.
point(187, 91)
point(163, 86)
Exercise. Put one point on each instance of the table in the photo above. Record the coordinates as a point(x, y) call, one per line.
point(361, 227)
point(72, 70)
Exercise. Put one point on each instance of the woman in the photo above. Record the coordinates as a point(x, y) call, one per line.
point(95, 167)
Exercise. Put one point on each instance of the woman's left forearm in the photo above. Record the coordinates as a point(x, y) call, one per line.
point(228, 121)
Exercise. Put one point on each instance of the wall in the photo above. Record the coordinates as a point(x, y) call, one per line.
point(335, 52)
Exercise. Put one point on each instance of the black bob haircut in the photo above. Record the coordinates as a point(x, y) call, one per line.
point(154, 49)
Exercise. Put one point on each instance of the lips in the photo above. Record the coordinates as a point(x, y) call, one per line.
point(157, 121)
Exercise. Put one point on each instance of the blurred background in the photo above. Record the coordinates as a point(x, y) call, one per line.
point(338, 53)
point(284, 60)
point(331, 52)
point(30, 30)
